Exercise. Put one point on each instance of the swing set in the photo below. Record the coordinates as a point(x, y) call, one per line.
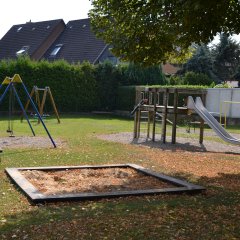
point(41, 102)
point(11, 82)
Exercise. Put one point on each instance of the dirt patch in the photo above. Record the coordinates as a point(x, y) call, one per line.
point(91, 180)
point(29, 142)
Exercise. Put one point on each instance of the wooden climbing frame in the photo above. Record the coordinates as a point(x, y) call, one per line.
point(156, 102)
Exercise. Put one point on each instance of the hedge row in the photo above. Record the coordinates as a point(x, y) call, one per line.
point(82, 87)
point(73, 87)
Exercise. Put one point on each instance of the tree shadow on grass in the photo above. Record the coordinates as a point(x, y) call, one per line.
point(156, 214)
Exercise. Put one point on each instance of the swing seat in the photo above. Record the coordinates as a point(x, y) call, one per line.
point(43, 116)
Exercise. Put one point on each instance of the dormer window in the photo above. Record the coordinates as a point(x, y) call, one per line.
point(22, 51)
point(19, 29)
point(56, 50)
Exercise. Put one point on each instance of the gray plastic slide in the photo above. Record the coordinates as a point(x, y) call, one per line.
point(198, 107)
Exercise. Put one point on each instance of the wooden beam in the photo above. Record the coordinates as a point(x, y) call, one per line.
point(28, 101)
point(174, 126)
point(53, 104)
point(164, 117)
point(154, 115)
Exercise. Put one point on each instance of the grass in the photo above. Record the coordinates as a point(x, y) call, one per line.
point(210, 215)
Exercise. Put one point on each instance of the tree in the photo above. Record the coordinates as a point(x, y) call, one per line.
point(135, 74)
point(226, 56)
point(201, 62)
point(149, 32)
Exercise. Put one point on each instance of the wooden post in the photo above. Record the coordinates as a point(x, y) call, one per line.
point(174, 126)
point(154, 114)
point(164, 117)
point(38, 102)
point(42, 103)
point(136, 115)
point(138, 122)
point(149, 123)
point(135, 125)
point(53, 104)
point(202, 121)
point(28, 101)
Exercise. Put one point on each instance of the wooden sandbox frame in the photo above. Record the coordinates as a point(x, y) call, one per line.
point(34, 195)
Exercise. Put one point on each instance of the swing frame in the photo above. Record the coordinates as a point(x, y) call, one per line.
point(41, 103)
point(10, 84)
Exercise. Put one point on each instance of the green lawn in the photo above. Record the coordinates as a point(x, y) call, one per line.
point(214, 214)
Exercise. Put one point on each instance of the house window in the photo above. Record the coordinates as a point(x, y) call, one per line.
point(19, 29)
point(22, 51)
point(56, 50)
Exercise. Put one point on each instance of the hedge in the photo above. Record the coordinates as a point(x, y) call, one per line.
point(81, 87)
point(126, 98)
point(73, 86)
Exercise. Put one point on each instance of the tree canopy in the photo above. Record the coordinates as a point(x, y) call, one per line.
point(220, 62)
point(226, 57)
point(151, 31)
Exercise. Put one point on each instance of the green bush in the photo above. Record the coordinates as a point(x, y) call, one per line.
point(192, 78)
point(175, 80)
point(222, 85)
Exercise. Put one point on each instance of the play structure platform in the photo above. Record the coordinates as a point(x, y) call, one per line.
point(155, 103)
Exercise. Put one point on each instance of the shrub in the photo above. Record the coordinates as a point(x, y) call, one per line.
point(192, 78)
point(175, 80)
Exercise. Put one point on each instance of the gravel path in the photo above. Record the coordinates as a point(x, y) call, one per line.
point(28, 142)
point(187, 143)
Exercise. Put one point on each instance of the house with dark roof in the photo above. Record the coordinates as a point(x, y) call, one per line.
point(30, 38)
point(54, 40)
point(78, 43)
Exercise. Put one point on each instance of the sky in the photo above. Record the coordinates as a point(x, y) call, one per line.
point(14, 12)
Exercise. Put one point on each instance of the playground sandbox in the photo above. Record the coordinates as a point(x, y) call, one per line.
point(65, 183)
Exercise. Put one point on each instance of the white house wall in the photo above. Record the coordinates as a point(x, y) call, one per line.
point(227, 99)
